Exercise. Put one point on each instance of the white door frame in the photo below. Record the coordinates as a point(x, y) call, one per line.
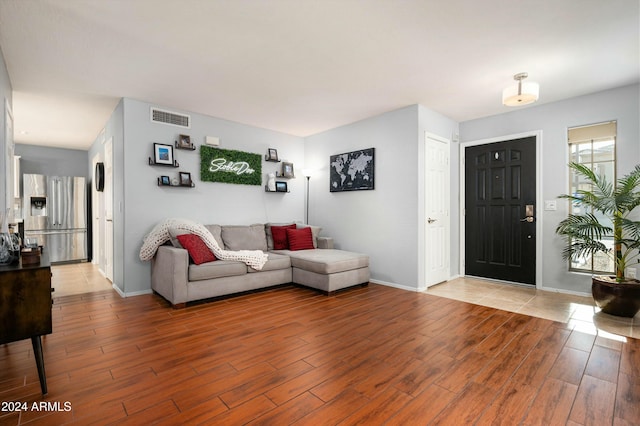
point(539, 201)
point(428, 281)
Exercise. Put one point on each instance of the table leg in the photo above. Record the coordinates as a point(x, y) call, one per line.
point(37, 353)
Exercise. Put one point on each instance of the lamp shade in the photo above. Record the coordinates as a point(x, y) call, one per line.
point(521, 93)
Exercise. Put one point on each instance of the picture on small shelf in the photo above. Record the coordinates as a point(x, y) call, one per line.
point(287, 170)
point(281, 187)
point(272, 155)
point(163, 154)
point(164, 180)
point(184, 142)
point(185, 179)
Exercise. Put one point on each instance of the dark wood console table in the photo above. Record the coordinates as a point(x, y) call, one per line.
point(25, 307)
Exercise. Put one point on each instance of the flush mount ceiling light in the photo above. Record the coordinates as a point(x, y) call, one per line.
point(522, 93)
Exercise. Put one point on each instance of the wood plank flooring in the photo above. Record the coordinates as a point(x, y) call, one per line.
point(372, 355)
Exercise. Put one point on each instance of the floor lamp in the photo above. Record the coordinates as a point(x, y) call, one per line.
point(307, 174)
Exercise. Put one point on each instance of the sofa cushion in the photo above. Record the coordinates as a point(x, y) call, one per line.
point(239, 237)
point(279, 234)
point(198, 250)
point(315, 230)
point(267, 229)
point(326, 261)
point(275, 262)
point(217, 269)
point(300, 239)
point(216, 231)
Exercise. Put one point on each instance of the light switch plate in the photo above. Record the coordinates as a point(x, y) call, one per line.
point(550, 205)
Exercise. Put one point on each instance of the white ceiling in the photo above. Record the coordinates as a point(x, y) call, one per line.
point(302, 66)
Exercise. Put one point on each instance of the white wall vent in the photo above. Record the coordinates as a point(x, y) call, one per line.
point(171, 118)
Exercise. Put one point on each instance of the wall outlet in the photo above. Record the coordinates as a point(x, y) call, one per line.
point(630, 272)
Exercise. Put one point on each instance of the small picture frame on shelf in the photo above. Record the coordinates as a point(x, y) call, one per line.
point(185, 179)
point(281, 187)
point(184, 142)
point(164, 180)
point(287, 170)
point(272, 154)
point(163, 154)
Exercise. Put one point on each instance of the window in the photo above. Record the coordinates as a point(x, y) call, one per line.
point(593, 146)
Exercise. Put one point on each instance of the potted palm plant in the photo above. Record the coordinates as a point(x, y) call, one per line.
point(605, 211)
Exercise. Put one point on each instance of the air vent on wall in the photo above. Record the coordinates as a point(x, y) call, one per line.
point(167, 117)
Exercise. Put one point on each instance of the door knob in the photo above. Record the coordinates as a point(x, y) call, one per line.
point(430, 221)
point(527, 219)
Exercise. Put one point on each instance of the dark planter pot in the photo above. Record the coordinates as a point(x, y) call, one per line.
point(620, 299)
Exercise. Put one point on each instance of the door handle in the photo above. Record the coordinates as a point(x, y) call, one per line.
point(430, 221)
point(529, 219)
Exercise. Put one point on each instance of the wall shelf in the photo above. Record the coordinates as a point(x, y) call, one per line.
point(191, 147)
point(193, 185)
point(153, 163)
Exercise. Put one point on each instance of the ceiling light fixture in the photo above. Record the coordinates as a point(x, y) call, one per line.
point(522, 93)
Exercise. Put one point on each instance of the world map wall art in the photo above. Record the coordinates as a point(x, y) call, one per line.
point(352, 171)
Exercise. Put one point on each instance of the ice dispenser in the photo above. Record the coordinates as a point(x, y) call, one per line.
point(38, 206)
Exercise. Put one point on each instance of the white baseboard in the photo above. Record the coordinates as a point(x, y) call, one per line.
point(394, 285)
point(559, 290)
point(130, 294)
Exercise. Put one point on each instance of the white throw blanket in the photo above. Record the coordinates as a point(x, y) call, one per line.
point(160, 234)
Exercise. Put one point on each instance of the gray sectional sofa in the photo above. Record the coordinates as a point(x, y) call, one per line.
point(323, 268)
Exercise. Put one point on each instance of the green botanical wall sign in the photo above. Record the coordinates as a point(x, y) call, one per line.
point(230, 166)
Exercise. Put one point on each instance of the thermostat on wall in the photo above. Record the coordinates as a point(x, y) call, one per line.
point(212, 140)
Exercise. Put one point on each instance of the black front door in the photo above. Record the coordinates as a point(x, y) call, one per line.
point(500, 203)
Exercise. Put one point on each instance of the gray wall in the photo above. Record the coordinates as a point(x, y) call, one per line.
point(621, 104)
point(52, 161)
point(139, 203)
point(385, 223)
point(5, 97)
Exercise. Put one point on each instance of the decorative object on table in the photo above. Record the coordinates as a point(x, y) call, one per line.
point(30, 256)
point(184, 142)
point(9, 243)
point(352, 171)
point(287, 170)
point(607, 208)
point(163, 155)
point(185, 179)
point(272, 155)
point(230, 166)
point(164, 180)
point(175, 182)
point(281, 187)
point(271, 182)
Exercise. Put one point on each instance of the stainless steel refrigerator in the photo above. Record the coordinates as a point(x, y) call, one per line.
point(55, 212)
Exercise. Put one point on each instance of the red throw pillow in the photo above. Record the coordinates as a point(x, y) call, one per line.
point(197, 249)
point(279, 234)
point(300, 239)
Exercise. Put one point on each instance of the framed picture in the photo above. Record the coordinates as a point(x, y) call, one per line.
point(361, 171)
point(164, 180)
point(281, 187)
point(185, 179)
point(184, 141)
point(163, 154)
point(287, 170)
point(272, 154)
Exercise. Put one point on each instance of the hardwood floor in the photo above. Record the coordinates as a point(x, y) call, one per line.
point(373, 355)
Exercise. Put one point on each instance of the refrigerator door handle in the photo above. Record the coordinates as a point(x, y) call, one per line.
point(59, 203)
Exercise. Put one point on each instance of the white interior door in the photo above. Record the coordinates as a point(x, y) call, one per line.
point(108, 208)
point(437, 220)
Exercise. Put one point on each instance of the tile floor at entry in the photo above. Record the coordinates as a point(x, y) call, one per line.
point(77, 278)
point(578, 311)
